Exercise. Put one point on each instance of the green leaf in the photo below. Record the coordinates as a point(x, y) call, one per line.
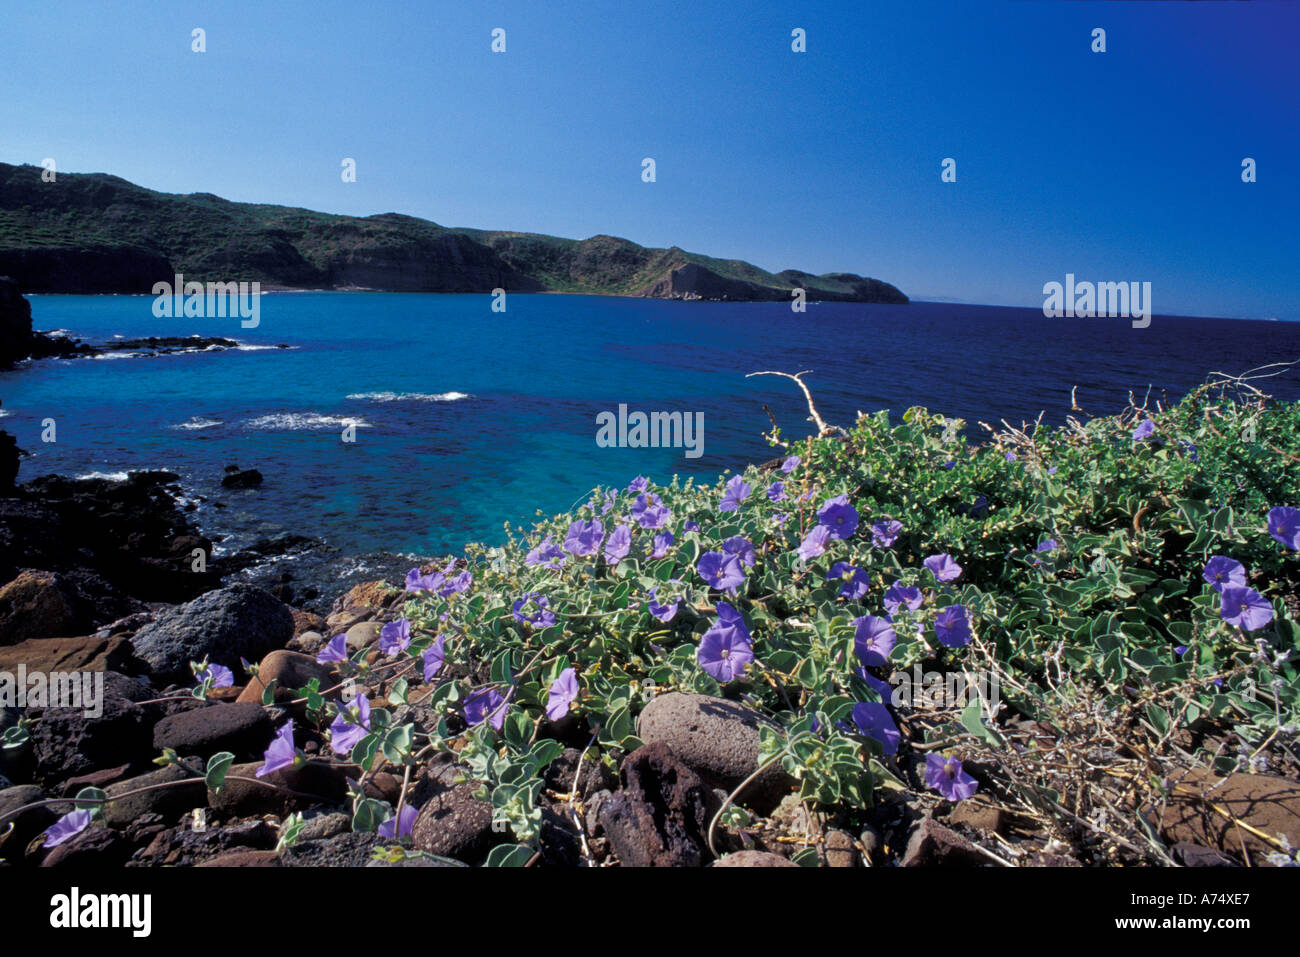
point(510, 855)
point(218, 765)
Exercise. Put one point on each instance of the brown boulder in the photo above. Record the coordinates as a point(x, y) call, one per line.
point(1261, 802)
point(290, 670)
point(455, 823)
point(70, 654)
point(34, 605)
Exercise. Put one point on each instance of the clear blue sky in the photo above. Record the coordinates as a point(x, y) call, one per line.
point(1115, 166)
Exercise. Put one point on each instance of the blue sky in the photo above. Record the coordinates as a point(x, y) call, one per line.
point(1117, 166)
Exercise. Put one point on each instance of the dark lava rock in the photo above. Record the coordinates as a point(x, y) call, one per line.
point(15, 323)
point(223, 625)
point(26, 825)
point(96, 848)
point(242, 729)
point(343, 850)
point(312, 784)
point(660, 815)
point(595, 775)
point(183, 845)
point(933, 845)
point(243, 859)
point(66, 742)
point(241, 478)
point(718, 739)
point(456, 823)
point(169, 803)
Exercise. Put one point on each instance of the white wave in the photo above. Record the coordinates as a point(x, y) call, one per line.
point(110, 476)
point(299, 421)
point(409, 396)
point(251, 347)
point(120, 355)
point(197, 422)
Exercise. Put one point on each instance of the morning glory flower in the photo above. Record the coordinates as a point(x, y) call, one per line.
point(649, 511)
point(561, 695)
point(351, 724)
point(395, 637)
point(1047, 545)
point(691, 527)
point(880, 686)
point(950, 464)
point(776, 492)
point(1245, 608)
point(618, 545)
point(948, 778)
point(584, 538)
point(737, 490)
point(1011, 456)
point(884, 534)
point(1189, 450)
point(899, 595)
point(1221, 571)
point(543, 617)
point(742, 548)
point(434, 656)
point(336, 650)
point(839, 516)
point(660, 610)
point(873, 721)
point(721, 570)
point(222, 677)
point(814, 543)
point(663, 541)
point(66, 827)
point(400, 826)
point(415, 582)
point(944, 568)
point(856, 582)
point(281, 753)
point(1180, 650)
point(952, 627)
point(1144, 431)
point(725, 649)
point(638, 484)
point(546, 554)
point(1284, 525)
point(873, 640)
point(486, 704)
point(790, 464)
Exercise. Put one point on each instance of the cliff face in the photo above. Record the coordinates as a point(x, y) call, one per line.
point(93, 233)
point(15, 323)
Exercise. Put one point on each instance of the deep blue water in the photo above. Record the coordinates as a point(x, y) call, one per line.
point(428, 474)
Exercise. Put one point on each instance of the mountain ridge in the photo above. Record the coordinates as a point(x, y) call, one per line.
point(99, 233)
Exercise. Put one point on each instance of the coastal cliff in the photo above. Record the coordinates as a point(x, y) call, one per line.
point(95, 233)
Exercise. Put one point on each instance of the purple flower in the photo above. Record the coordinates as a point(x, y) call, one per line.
point(546, 554)
point(1047, 545)
point(721, 570)
point(618, 545)
point(881, 687)
point(486, 703)
point(742, 548)
point(1284, 525)
point(663, 612)
point(543, 617)
point(737, 491)
point(584, 538)
point(563, 692)
point(66, 827)
point(416, 582)
point(455, 586)
point(725, 649)
point(400, 826)
point(952, 627)
point(1245, 607)
point(1189, 450)
point(776, 492)
point(884, 534)
point(222, 677)
point(839, 516)
point(1011, 456)
point(434, 656)
point(1180, 650)
point(947, 777)
point(790, 464)
point(950, 464)
point(873, 640)
point(1221, 571)
point(351, 724)
point(944, 568)
point(899, 595)
point(1144, 431)
point(281, 753)
point(663, 541)
point(649, 511)
point(856, 582)
point(638, 484)
point(395, 637)
point(336, 650)
point(691, 527)
point(814, 543)
point(874, 722)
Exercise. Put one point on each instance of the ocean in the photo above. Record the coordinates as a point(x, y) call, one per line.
point(467, 418)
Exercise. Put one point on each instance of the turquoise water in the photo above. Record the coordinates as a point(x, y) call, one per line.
point(467, 418)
